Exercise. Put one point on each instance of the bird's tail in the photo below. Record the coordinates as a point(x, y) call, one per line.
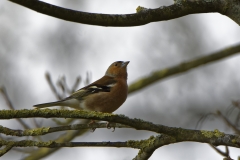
point(51, 104)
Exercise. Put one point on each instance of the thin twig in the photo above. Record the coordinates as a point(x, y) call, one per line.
point(10, 105)
point(88, 78)
point(62, 84)
point(225, 154)
point(49, 80)
point(75, 85)
point(228, 123)
point(202, 119)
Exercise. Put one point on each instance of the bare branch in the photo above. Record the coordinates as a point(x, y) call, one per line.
point(143, 16)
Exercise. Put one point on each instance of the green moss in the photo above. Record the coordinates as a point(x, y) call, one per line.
point(134, 144)
point(143, 143)
point(207, 134)
point(218, 134)
point(140, 9)
point(161, 73)
point(210, 134)
point(35, 132)
point(234, 141)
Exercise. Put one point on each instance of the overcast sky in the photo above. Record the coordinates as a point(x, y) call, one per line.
point(32, 44)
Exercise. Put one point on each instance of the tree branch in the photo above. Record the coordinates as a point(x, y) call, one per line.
point(225, 154)
point(7, 148)
point(47, 130)
point(183, 67)
point(214, 137)
point(43, 152)
point(143, 16)
point(157, 141)
point(40, 153)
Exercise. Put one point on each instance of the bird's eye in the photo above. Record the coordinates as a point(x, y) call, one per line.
point(116, 64)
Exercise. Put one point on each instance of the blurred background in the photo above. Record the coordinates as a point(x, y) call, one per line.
point(32, 44)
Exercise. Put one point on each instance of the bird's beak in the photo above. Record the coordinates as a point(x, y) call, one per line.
point(124, 64)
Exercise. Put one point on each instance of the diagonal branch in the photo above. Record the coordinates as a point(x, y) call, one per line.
point(183, 67)
point(7, 148)
point(225, 154)
point(143, 16)
point(53, 88)
point(155, 142)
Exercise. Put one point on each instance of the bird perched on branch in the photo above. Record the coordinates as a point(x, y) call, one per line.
point(104, 95)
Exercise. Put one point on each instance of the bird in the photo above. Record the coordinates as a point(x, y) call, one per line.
point(106, 94)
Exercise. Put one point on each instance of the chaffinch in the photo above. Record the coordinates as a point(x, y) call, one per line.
point(104, 95)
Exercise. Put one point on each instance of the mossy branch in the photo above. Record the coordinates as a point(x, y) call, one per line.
point(47, 130)
point(146, 146)
point(180, 8)
point(7, 148)
point(152, 144)
point(214, 137)
point(183, 67)
point(43, 152)
point(52, 144)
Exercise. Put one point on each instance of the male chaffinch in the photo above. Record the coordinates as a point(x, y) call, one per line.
point(104, 95)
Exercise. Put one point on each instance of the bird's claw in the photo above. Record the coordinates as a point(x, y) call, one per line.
point(108, 127)
point(90, 123)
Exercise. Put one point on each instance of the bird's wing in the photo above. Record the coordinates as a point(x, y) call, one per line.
point(102, 85)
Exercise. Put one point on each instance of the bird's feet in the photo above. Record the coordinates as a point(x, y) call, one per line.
point(108, 127)
point(90, 123)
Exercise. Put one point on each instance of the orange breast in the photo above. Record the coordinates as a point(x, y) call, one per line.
point(108, 101)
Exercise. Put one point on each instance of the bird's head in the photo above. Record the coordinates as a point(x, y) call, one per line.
point(118, 69)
